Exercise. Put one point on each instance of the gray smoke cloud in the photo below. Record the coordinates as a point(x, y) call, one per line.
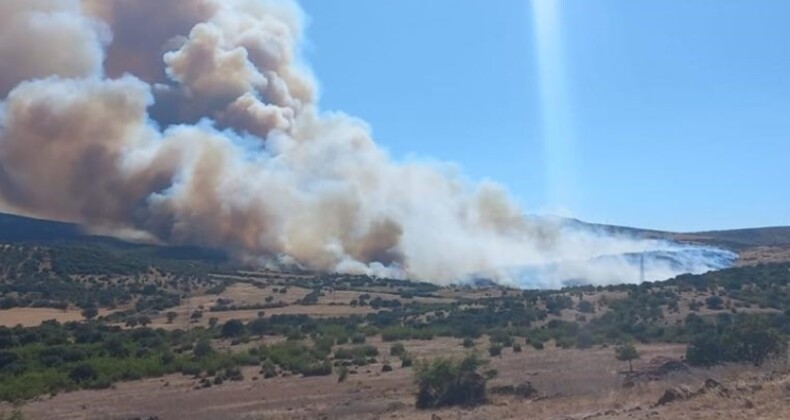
point(196, 122)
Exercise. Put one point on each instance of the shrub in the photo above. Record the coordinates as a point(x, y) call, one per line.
point(350, 353)
point(705, 350)
point(516, 348)
point(749, 339)
point(495, 350)
point(318, 369)
point(342, 374)
point(714, 303)
point(234, 374)
point(585, 307)
point(501, 337)
point(203, 348)
point(446, 382)
point(83, 373)
point(233, 328)
point(752, 339)
point(268, 370)
point(406, 360)
point(468, 343)
point(90, 312)
point(397, 349)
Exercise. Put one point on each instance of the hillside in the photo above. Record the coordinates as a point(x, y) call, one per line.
point(143, 331)
point(769, 244)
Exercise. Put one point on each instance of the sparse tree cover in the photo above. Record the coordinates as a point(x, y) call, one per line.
point(34, 361)
point(94, 275)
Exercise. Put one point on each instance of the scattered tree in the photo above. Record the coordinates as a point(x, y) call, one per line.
point(626, 353)
point(233, 328)
point(90, 312)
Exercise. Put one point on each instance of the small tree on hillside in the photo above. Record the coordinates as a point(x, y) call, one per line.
point(203, 348)
point(714, 303)
point(90, 312)
point(171, 316)
point(233, 328)
point(144, 320)
point(626, 353)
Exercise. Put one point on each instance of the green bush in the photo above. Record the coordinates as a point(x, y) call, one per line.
point(447, 382)
point(233, 328)
point(749, 339)
point(397, 349)
point(203, 348)
point(626, 352)
point(349, 353)
point(495, 350)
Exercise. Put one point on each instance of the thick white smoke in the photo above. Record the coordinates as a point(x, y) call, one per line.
point(196, 122)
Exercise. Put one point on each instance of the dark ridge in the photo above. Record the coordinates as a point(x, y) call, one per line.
point(26, 230)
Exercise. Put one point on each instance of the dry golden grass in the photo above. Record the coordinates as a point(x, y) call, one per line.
point(31, 317)
point(346, 296)
point(764, 254)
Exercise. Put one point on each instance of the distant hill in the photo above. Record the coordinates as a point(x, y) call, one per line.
point(25, 230)
point(736, 239)
point(20, 229)
point(744, 238)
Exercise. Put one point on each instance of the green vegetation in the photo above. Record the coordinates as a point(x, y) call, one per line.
point(447, 382)
point(148, 282)
point(749, 339)
point(55, 357)
point(626, 353)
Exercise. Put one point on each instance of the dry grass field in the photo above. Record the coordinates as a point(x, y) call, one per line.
point(31, 317)
point(572, 384)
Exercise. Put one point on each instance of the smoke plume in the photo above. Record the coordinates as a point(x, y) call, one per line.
point(196, 122)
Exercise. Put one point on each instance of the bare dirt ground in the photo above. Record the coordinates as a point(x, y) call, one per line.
point(572, 384)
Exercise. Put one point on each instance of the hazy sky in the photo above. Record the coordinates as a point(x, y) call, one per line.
point(669, 114)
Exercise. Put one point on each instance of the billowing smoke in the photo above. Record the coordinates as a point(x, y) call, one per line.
point(196, 122)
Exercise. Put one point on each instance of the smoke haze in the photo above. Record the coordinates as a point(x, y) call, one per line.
point(196, 122)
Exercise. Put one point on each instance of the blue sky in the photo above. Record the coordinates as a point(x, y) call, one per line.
point(668, 114)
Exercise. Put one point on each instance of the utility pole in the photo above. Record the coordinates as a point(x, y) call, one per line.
point(642, 268)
